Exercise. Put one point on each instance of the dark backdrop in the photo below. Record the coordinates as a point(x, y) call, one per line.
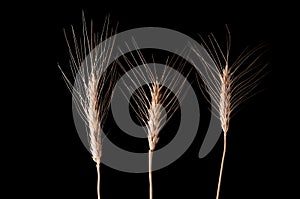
point(55, 163)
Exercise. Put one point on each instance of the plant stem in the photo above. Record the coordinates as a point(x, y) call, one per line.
point(221, 169)
point(150, 174)
point(98, 181)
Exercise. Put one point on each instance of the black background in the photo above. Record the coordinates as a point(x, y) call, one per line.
point(54, 163)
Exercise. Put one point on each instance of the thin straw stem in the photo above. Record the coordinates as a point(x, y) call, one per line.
point(150, 174)
point(221, 168)
point(98, 180)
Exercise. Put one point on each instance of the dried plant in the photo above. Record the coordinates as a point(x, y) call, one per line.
point(156, 109)
point(229, 85)
point(93, 85)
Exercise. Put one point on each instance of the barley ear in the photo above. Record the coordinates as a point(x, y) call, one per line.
point(230, 85)
point(88, 62)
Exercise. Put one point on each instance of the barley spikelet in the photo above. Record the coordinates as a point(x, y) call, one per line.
point(225, 99)
point(154, 114)
point(87, 61)
point(229, 86)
